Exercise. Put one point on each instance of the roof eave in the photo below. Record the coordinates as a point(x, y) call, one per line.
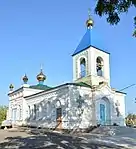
point(15, 91)
point(66, 84)
point(100, 49)
point(81, 50)
point(121, 92)
point(89, 47)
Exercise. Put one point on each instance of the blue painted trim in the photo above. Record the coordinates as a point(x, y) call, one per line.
point(102, 114)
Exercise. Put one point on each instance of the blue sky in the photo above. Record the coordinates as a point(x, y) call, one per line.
point(34, 32)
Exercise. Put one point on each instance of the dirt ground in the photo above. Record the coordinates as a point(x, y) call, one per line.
point(15, 139)
point(5, 133)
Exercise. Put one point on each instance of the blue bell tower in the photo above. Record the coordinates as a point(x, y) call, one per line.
point(90, 64)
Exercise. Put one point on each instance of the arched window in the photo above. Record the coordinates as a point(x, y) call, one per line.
point(35, 110)
point(48, 109)
point(99, 66)
point(20, 112)
point(82, 67)
point(29, 111)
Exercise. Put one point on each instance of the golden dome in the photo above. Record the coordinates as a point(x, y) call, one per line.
point(89, 22)
point(41, 76)
point(11, 86)
point(25, 78)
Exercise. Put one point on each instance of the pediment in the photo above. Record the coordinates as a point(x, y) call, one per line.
point(105, 89)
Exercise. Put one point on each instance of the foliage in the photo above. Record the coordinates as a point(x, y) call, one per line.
point(131, 120)
point(113, 8)
point(3, 112)
point(134, 34)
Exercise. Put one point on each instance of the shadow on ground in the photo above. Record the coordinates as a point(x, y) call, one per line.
point(52, 141)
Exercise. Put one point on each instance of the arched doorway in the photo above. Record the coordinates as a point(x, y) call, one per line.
point(104, 111)
point(58, 115)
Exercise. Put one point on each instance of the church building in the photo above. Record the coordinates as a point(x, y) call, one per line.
point(87, 101)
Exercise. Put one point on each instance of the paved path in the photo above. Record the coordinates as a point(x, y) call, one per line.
point(23, 140)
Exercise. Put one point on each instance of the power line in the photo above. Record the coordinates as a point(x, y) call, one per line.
point(127, 87)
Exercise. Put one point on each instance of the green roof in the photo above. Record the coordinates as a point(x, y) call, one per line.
point(83, 84)
point(40, 87)
point(46, 88)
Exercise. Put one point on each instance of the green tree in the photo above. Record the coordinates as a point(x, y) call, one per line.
point(130, 116)
point(3, 112)
point(131, 119)
point(113, 8)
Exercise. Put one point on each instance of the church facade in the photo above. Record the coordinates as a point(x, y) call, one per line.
point(87, 101)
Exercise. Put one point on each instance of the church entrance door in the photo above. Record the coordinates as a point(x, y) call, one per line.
point(104, 111)
point(102, 114)
point(59, 118)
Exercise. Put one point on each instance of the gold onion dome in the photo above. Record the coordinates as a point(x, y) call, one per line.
point(41, 76)
point(25, 78)
point(11, 86)
point(90, 21)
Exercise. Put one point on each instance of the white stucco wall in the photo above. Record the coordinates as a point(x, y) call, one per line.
point(94, 53)
point(15, 99)
point(90, 56)
point(18, 103)
point(120, 104)
point(104, 96)
point(30, 91)
point(79, 116)
point(68, 97)
point(76, 64)
point(46, 104)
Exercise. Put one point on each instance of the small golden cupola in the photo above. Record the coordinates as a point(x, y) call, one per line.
point(11, 87)
point(25, 79)
point(89, 22)
point(41, 77)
